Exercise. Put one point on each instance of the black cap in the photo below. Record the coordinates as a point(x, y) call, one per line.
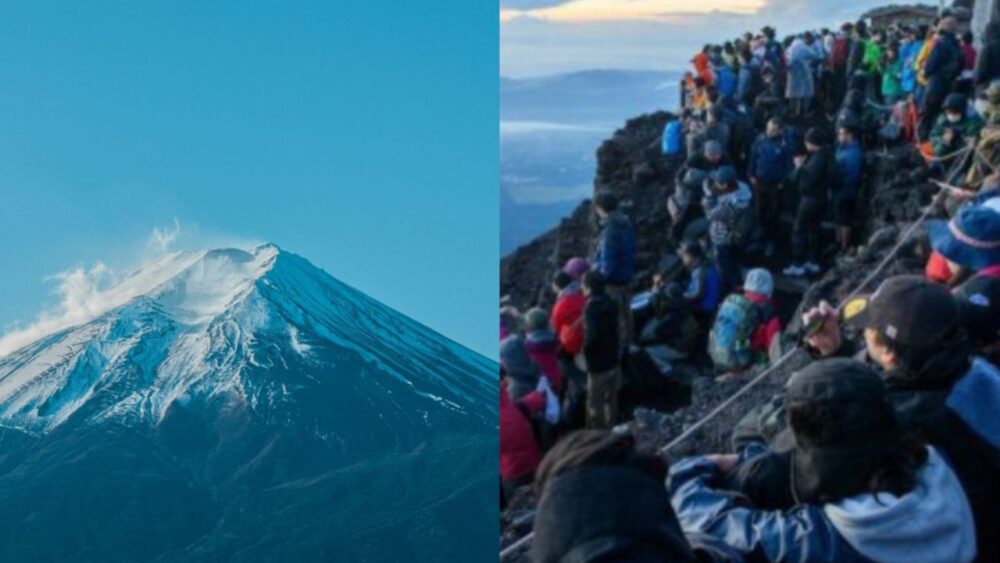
point(909, 310)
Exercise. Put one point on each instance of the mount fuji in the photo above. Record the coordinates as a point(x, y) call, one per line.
point(233, 405)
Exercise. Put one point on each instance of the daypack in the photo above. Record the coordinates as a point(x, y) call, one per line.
point(841, 52)
point(725, 81)
point(729, 342)
point(673, 138)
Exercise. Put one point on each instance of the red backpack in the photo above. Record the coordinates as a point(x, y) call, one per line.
point(841, 52)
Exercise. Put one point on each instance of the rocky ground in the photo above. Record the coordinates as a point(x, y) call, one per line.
point(628, 164)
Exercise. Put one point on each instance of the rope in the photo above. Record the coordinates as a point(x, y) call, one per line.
point(778, 363)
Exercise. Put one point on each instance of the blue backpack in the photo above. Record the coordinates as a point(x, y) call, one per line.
point(729, 342)
point(673, 138)
point(725, 81)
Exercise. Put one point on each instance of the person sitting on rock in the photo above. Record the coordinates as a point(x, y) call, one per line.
point(521, 374)
point(955, 129)
point(602, 498)
point(758, 288)
point(673, 324)
point(745, 326)
point(857, 487)
point(704, 290)
point(813, 175)
point(728, 207)
point(543, 347)
point(602, 351)
point(615, 257)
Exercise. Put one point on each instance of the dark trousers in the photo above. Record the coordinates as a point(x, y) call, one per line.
point(727, 262)
point(769, 210)
point(805, 233)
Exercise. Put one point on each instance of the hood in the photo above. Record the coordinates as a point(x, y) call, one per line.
point(605, 513)
point(739, 198)
point(931, 523)
point(976, 400)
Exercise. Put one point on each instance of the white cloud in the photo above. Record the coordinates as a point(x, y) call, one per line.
point(162, 239)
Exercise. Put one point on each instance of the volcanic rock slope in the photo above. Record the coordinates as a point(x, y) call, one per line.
point(245, 406)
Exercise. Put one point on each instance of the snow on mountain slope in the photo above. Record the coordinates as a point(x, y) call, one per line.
point(248, 329)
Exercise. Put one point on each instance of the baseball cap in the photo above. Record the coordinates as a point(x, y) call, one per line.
point(907, 309)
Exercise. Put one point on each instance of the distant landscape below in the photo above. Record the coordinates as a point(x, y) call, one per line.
point(550, 129)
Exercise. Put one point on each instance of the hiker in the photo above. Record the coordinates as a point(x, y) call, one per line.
point(954, 130)
point(521, 374)
point(750, 83)
point(892, 77)
point(519, 449)
point(510, 321)
point(702, 67)
point(839, 53)
point(812, 177)
point(728, 207)
point(943, 67)
point(543, 347)
point(725, 79)
point(856, 486)
point(602, 498)
point(704, 290)
point(940, 390)
point(908, 52)
point(845, 197)
point(858, 41)
point(966, 82)
point(567, 313)
point(801, 85)
point(575, 267)
point(988, 63)
point(673, 323)
point(615, 258)
point(602, 350)
point(745, 327)
point(672, 141)
point(770, 165)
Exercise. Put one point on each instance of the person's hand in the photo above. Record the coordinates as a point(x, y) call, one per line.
point(826, 337)
point(799, 160)
point(726, 462)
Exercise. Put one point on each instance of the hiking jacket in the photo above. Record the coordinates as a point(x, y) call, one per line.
point(800, 76)
point(749, 83)
point(567, 318)
point(813, 179)
point(849, 162)
point(871, 59)
point(615, 257)
point(519, 452)
point(725, 213)
point(908, 55)
point(771, 159)
point(943, 66)
point(600, 334)
point(855, 56)
point(703, 68)
point(968, 57)
point(930, 524)
point(704, 288)
point(725, 80)
point(892, 80)
point(988, 63)
point(965, 130)
point(543, 349)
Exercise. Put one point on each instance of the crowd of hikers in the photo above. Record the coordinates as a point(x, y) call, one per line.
point(887, 446)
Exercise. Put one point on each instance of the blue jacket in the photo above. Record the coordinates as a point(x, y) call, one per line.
point(771, 159)
point(908, 54)
point(849, 162)
point(615, 257)
point(672, 143)
point(725, 81)
point(931, 523)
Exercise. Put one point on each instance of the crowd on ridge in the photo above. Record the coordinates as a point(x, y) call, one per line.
point(884, 448)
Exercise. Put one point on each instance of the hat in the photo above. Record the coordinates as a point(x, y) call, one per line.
point(909, 310)
point(979, 308)
point(694, 177)
point(576, 267)
point(759, 281)
point(724, 174)
point(816, 136)
point(971, 239)
point(859, 428)
point(536, 319)
point(956, 102)
point(713, 148)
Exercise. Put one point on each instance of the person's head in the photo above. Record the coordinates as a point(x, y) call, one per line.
point(847, 28)
point(760, 282)
point(713, 151)
point(892, 53)
point(745, 56)
point(954, 107)
point(691, 253)
point(846, 134)
point(907, 321)
point(576, 267)
point(536, 319)
point(560, 281)
point(808, 38)
point(775, 127)
point(967, 38)
point(593, 283)
point(769, 33)
point(847, 438)
point(970, 240)
point(725, 179)
point(815, 139)
point(861, 29)
point(605, 203)
point(948, 25)
point(510, 319)
point(601, 498)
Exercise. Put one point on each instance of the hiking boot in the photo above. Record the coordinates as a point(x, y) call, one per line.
point(794, 271)
point(811, 268)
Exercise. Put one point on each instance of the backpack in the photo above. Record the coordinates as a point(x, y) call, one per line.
point(673, 138)
point(725, 81)
point(729, 341)
point(841, 52)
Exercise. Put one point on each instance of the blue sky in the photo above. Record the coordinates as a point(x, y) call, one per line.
point(301, 125)
point(539, 37)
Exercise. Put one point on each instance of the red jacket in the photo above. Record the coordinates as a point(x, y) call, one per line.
point(567, 321)
point(519, 452)
point(544, 352)
point(764, 334)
